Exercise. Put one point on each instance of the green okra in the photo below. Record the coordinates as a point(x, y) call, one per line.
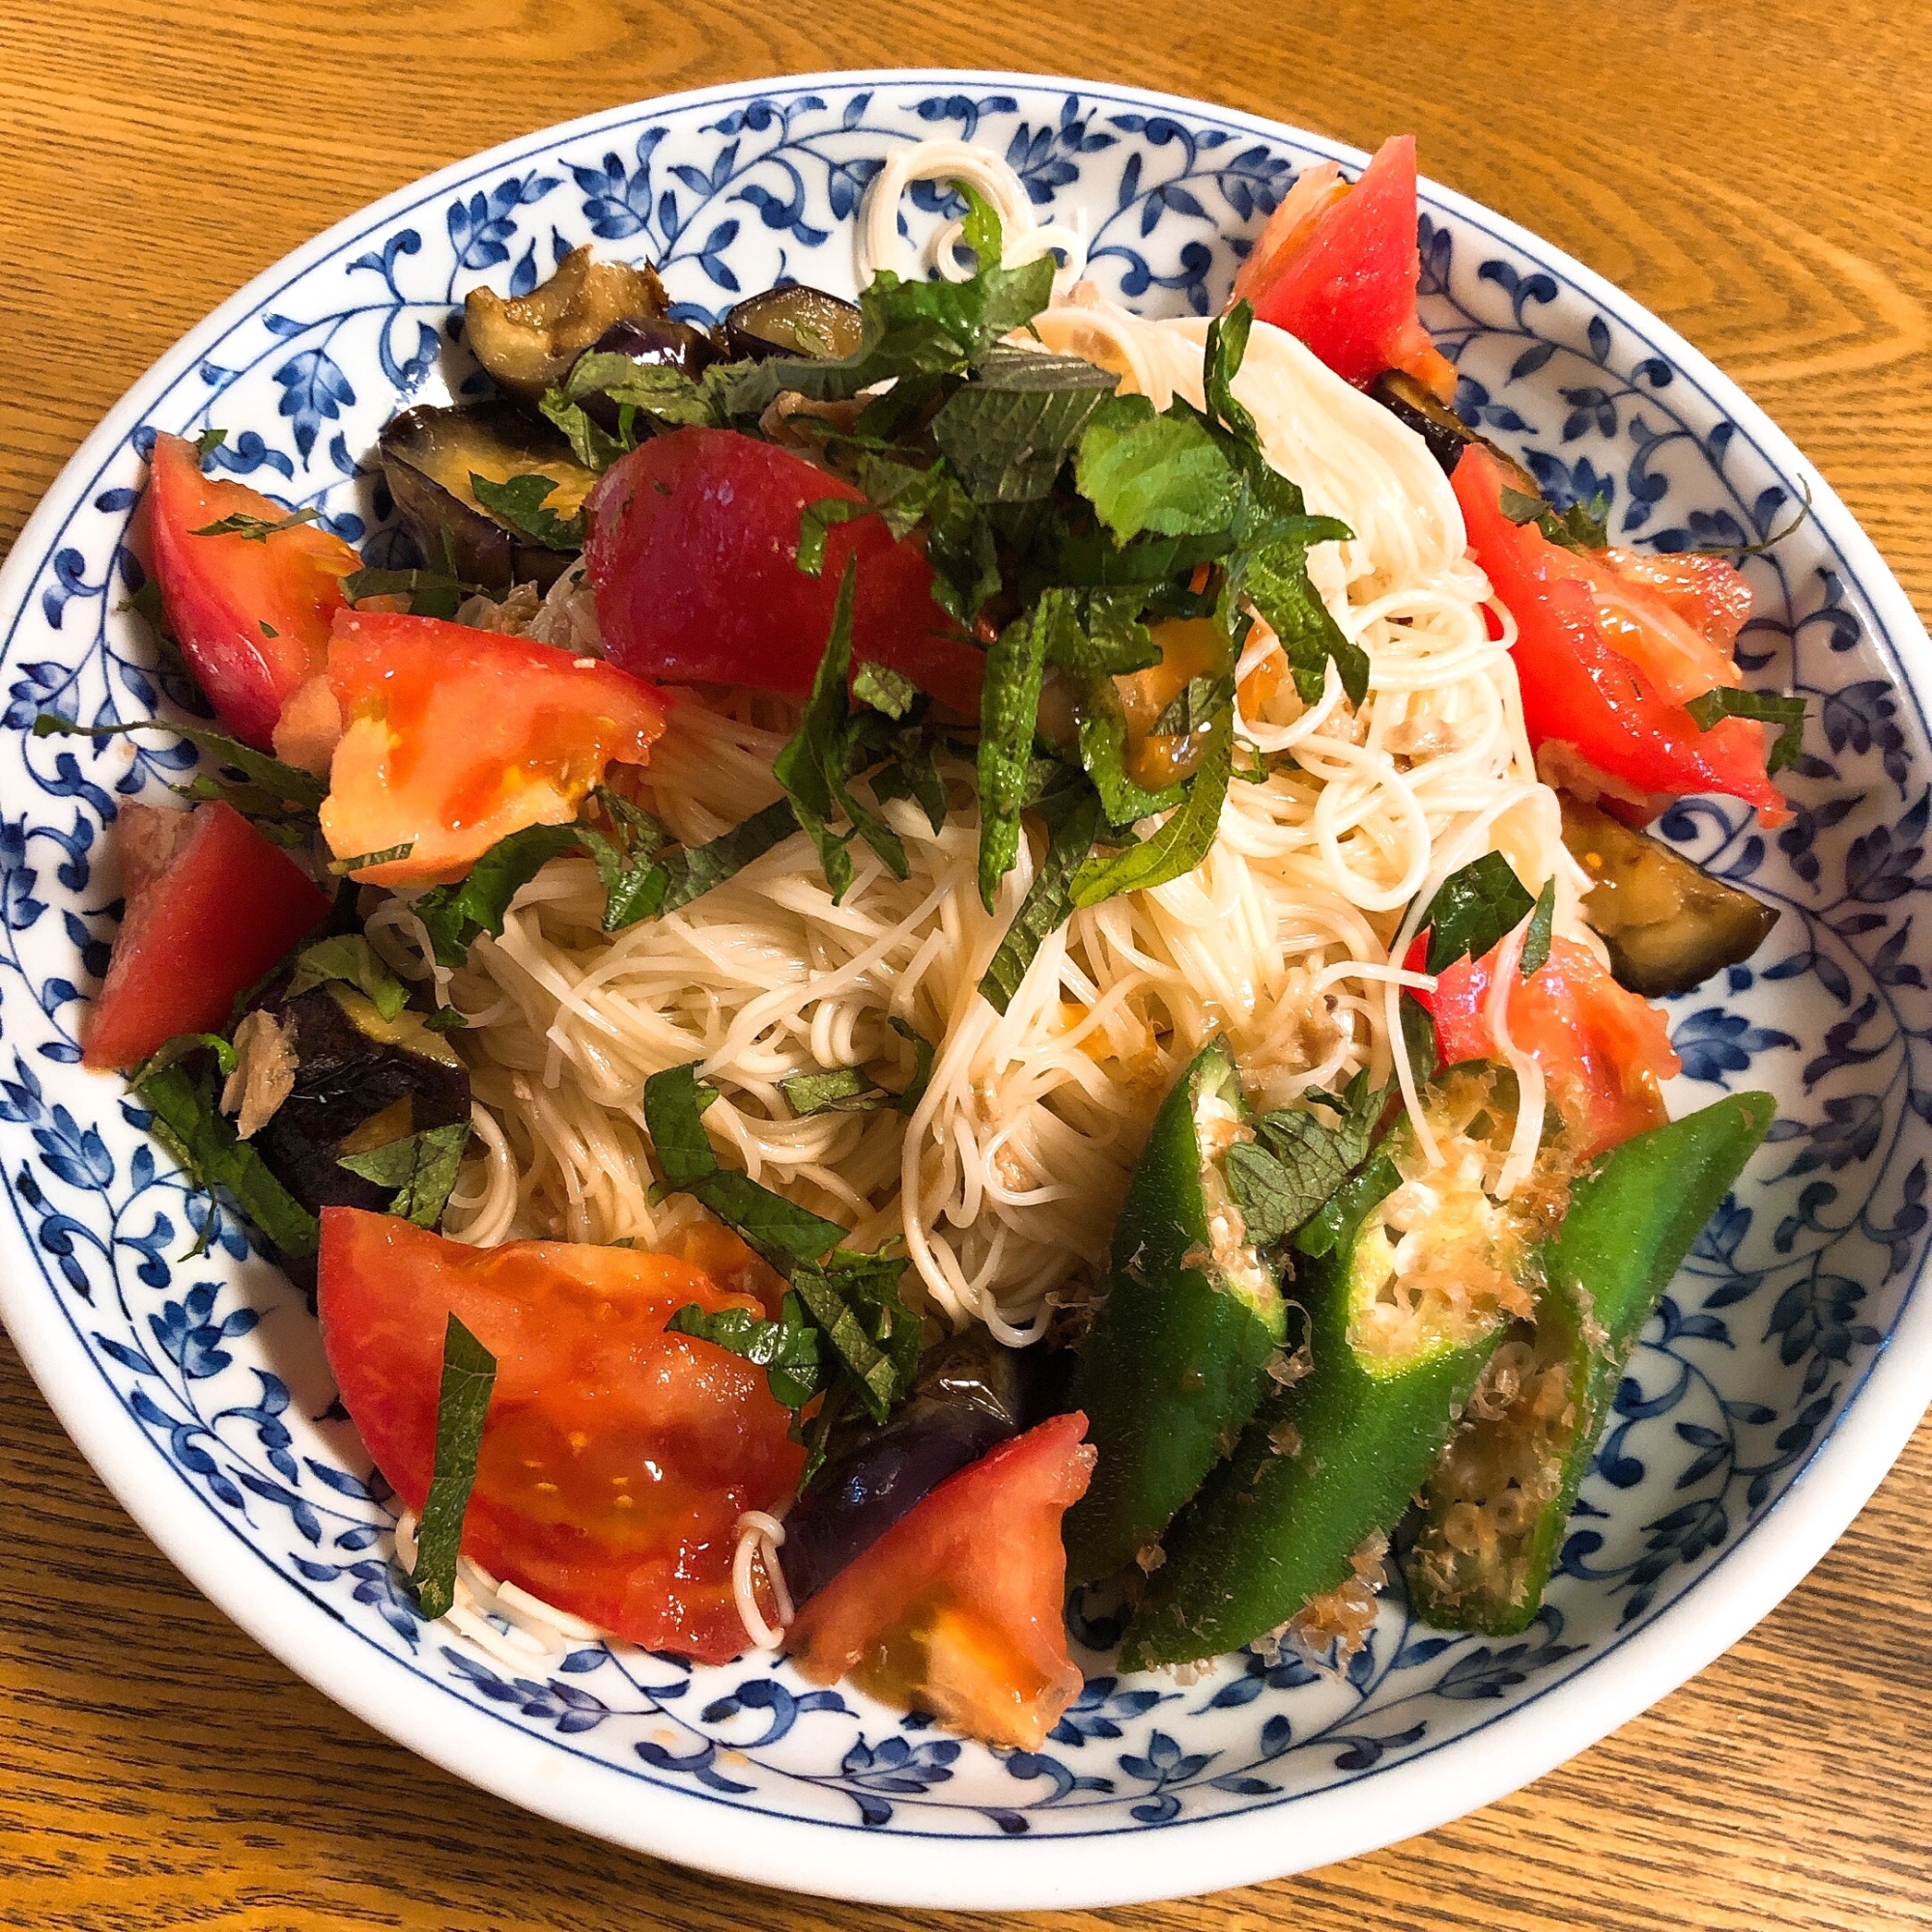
point(1175, 1360)
point(1498, 1500)
point(1326, 1462)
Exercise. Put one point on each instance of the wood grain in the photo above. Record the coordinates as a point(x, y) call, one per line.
point(1755, 170)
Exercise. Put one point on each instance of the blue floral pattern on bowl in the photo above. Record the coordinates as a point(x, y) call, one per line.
point(1765, 1338)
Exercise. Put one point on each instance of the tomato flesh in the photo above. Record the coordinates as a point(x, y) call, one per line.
point(209, 906)
point(615, 1457)
point(251, 615)
point(692, 555)
point(1584, 690)
point(454, 738)
point(1340, 270)
point(957, 1610)
point(1603, 1050)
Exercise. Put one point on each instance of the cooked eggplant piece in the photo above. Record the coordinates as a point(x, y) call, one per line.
point(429, 456)
point(1667, 924)
point(361, 1082)
point(1446, 433)
point(973, 1392)
point(793, 322)
point(652, 343)
point(530, 342)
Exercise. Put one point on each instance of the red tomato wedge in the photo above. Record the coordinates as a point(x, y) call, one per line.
point(1603, 1050)
point(957, 1610)
point(210, 906)
point(454, 738)
point(615, 1457)
point(692, 554)
point(1337, 267)
point(251, 615)
point(1584, 690)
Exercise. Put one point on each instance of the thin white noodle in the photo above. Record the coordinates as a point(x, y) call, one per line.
point(1024, 239)
point(760, 1535)
point(1004, 1182)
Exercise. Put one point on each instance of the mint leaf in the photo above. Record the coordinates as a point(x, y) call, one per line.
point(1773, 707)
point(1300, 1158)
point(849, 1089)
point(816, 520)
point(520, 505)
point(432, 593)
point(422, 1168)
point(1163, 473)
point(171, 1051)
point(884, 689)
point(463, 1403)
point(1350, 1205)
point(1008, 429)
point(1275, 580)
point(351, 958)
point(362, 862)
point(1472, 909)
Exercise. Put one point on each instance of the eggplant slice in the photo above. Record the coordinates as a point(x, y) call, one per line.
point(972, 1393)
point(530, 342)
point(429, 456)
point(361, 1082)
point(1667, 924)
point(793, 323)
point(1446, 433)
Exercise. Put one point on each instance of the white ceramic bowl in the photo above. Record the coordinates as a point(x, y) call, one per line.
point(1781, 1378)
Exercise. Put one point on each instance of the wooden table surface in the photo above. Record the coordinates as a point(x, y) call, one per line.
point(1755, 170)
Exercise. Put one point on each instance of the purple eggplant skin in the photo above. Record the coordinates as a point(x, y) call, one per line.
point(790, 321)
point(972, 1394)
point(651, 342)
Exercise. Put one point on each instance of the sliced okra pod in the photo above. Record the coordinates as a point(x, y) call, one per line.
point(1498, 1500)
point(1176, 1359)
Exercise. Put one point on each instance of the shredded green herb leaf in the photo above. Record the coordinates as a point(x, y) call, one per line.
point(463, 1403)
point(349, 957)
point(1773, 707)
point(362, 862)
point(287, 784)
point(787, 1350)
point(457, 916)
point(520, 503)
point(257, 529)
point(1300, 1158)
point(1537, 940)
point(1472, 909)
point(190, 1125)
point(422, 1168)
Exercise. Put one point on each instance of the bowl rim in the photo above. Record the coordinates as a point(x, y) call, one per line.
point(1742, 1584)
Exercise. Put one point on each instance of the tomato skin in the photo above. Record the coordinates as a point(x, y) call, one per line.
point(1578, 689)
point(957, 1608)
point(693, 552)
point(456, 737)
point(210, 906)
point(1344, 279)
point(1603, 1050)
point(218, 592)
point(594, 1404)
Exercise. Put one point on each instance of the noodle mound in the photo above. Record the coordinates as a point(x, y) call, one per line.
point(1005, 1181)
